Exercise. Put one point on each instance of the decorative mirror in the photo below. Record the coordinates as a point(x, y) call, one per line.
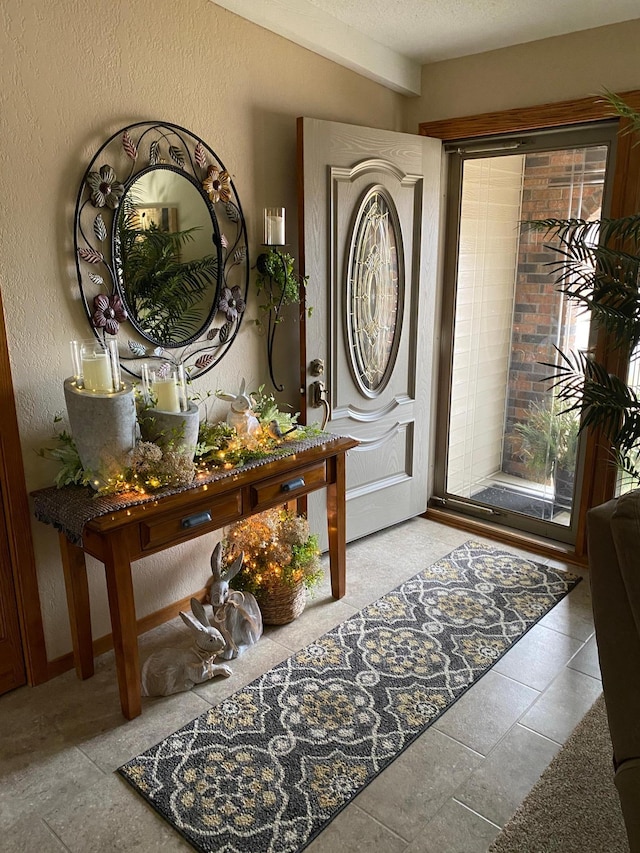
point(161, 249)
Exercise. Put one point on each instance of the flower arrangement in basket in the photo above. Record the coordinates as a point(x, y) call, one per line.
point(281, 561)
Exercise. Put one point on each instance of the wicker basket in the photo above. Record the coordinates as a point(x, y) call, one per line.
point(282, 604)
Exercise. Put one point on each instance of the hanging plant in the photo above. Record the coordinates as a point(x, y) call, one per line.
point(279, 285)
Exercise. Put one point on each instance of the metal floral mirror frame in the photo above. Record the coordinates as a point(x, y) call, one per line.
point(161, 249)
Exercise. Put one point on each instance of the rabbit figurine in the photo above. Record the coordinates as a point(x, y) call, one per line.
point(168, 671)
point(235, 614)
point(241, 416)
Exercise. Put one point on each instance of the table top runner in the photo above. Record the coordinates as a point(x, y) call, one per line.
point(69, 508)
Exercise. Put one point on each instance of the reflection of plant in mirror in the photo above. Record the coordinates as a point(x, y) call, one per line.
point(163, 292)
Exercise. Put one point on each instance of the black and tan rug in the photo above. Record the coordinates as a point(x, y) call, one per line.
point(268, 768)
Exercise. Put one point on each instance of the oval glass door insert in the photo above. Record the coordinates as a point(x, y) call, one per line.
point(375, 291)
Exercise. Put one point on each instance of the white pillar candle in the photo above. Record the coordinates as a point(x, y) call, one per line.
point(96, 372)
point(166, 391)
point(274, 230)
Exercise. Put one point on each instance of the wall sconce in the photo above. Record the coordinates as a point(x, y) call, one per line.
point(274, 238)
point(274, 228)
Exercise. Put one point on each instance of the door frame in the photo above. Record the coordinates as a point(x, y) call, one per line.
point(599, 479)
point(18, 521)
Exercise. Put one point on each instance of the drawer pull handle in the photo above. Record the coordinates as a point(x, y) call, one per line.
point(196, 519)
point(293, 484)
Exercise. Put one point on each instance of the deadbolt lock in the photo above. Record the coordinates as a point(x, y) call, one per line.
point(316, 368)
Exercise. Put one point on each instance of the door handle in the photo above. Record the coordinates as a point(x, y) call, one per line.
point(319, 396)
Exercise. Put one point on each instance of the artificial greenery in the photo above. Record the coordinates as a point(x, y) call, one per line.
point(598, 267)
point(277, 282)
point(65, 453)
point(164, 293)
point(278, 550)
point(549, 439)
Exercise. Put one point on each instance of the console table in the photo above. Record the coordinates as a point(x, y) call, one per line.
point(117, 532)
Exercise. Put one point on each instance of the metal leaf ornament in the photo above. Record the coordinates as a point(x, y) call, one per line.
point(91, 256)
point(176, 155)
point(200, 155)
point(137, 348)
point(240, 254)
point(99, 228)
point(232, 212)
point(163, 370)
point(212, 334)
point(129, 146)
point(204, 361)
point(96, 279)
point(225, 331)
point(154, 153)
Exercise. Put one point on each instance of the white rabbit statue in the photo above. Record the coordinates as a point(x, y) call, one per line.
point(170, 671)
point(235, 614)
point(241, 416)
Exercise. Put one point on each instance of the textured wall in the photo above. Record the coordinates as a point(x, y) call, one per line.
point(75, 72)
point(556, 69)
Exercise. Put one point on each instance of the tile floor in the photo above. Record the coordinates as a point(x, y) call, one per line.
point(448, 793)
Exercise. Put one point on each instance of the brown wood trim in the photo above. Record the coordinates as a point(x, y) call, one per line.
point(18, 515)
point(146, 623)
point(525, 118)
point(599, 473)
point(302, 318)
point(543, 548)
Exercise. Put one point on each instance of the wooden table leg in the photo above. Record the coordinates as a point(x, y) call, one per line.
point(123, 622)
point(337, 526)
point(77, 587)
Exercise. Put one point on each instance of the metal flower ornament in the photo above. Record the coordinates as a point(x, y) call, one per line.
point(169, 279)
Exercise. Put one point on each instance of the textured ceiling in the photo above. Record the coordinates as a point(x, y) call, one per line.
point(431, 30)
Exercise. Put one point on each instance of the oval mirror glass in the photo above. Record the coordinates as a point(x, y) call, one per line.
point(167, 257)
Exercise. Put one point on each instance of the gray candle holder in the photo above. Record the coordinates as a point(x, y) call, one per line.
point(103, 426)
point(171, 428)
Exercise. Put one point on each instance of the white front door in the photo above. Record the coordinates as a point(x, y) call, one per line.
point(371, 202)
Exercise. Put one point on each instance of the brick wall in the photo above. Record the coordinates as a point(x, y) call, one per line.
point(557, 184)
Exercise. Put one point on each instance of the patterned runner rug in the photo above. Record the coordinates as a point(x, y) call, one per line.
point(268, 768)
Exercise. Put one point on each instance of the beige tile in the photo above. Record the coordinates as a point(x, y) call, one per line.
point(30, 834)
point(538, 657)
point(39, 780)
point(109, 817)
point(484, 714)
point(160, 717)
point(418, 783)
point(320, 615)
point(455, 829)
point(498, 786)
point(356, 832)
point(573, 615)
point(562, 705)
point(586, 660)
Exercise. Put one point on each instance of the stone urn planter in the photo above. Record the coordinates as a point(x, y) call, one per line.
point(103, 426)
point(171, 428)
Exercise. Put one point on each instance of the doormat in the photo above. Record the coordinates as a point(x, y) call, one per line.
point(269, 768)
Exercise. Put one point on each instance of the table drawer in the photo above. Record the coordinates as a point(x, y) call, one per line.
point(203, 516)
point(288, 486)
